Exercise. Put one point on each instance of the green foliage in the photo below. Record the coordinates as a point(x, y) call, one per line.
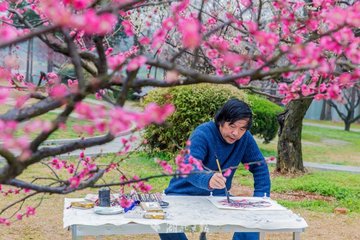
point(67, 71)
point(198, 104)
point(194, 105)
point(265, 121)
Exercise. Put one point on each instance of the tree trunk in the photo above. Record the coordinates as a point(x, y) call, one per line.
point(31, 77)
point(328, 111)
point(289, 143)
point(50, 60)
point(27, 77)
point(347, 125)
point(323, 110)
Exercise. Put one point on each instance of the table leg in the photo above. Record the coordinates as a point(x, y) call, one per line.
point(202, 236)
point(296, 236)
point(74, 235)
point(262, 236)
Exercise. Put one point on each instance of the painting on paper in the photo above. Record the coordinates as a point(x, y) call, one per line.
point(246, 203)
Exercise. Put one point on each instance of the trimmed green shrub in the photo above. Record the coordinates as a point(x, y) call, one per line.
point(265, 124)
point(196, 104)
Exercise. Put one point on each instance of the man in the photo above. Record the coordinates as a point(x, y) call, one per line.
point(228, 140)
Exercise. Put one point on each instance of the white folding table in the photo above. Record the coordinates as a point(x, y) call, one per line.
point(185, 214)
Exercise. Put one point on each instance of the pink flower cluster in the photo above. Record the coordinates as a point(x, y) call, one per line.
point(4, 221)
point(227, 172)
point(141, 185)
point(136, 63)
point(330, 90)
point(37, 126)
point(9, 191)
point(126, 145)
point(167, 168)
point(30, 211)
point(187, 163)
point(59, 164)
point(4, 94)
point(78, 4)
point(8, 33)
point(128, 28)
point(125, 202)
point(87, 20)
point(190, 31)
point(270, 159)
point(10, 141)
point(116, 61)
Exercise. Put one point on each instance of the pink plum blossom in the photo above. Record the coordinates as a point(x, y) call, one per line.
point(136, 63)
point(30, 211)
point(190, 31)
point(58, 91)
point(227, 173)
point(124, 202)
point(7, 33)
point(128, 28)
point(4, 94)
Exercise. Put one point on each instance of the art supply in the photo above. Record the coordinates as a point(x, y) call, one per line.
point(151, 206)
point(226, 191)
point(131, 207)
point(104, 197)
point(82, 204)
point(147, 197)
point(108, 210)
point(155, 215)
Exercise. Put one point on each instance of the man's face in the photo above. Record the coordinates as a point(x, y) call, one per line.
point(231, 132)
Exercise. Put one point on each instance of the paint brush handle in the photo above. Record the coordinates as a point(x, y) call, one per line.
point(226, 191)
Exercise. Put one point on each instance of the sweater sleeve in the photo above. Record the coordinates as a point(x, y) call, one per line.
point(198, 149)
point(260, 171)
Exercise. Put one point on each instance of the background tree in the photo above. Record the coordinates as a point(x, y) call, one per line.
point(221, 42)
point(351, 102)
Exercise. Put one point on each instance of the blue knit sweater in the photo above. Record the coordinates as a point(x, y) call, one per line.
point(206, 143)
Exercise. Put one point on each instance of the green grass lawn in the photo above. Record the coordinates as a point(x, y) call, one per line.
point(355, 125)
point(323, 145)
point(60, 133)
point(344, 187)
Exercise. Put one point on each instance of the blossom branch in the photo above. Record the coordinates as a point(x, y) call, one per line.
point(23, 199)
point(65, 189)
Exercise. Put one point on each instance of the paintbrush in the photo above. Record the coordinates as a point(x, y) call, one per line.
point(226, 191)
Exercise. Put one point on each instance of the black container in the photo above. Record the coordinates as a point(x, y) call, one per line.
point(104, 197)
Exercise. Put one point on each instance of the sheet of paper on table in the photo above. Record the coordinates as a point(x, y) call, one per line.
point(246, 203)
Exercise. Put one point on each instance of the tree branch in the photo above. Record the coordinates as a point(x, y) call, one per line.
point(101, 63)
point(30, 35)
point(69, 147)
point(36, 109)
point(75, 59)
point(59, 190)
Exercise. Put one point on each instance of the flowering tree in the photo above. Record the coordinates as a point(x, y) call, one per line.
point(303, 48)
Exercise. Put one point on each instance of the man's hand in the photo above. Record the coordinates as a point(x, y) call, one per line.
point(217, 181)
